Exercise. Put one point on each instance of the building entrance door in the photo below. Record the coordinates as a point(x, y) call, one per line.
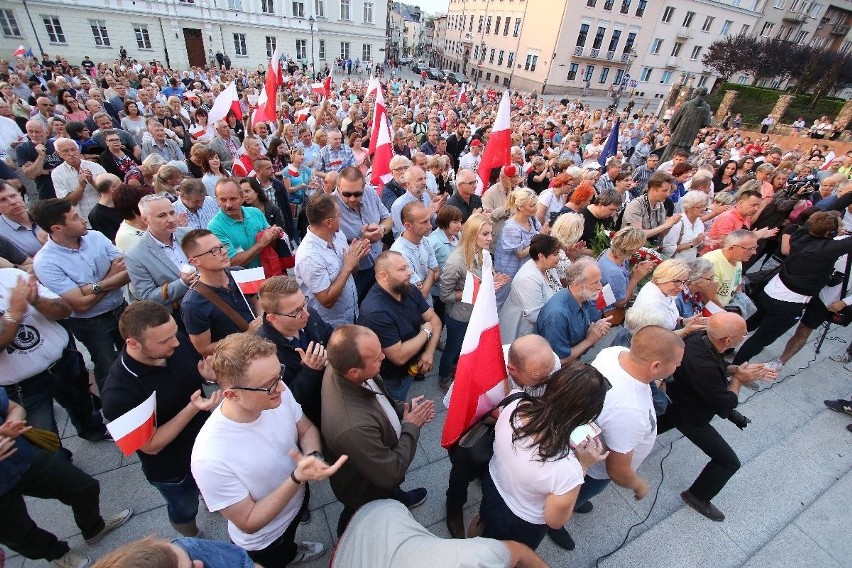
point(194, 47)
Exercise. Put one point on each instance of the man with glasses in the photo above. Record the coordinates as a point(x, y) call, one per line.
point(738, 247)
point(465, 197)
point(627, 422)
point(74, 179)
point(194, 202)
point(362, 216)
point(299, 335)
point(395, 187)
point(255, 454)
point(205, 322)
point(37, 157)
point(158, 360)
point(705, 386)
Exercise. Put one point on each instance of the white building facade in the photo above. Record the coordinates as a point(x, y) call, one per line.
point(184, 33)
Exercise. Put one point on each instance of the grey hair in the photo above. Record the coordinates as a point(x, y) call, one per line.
point(153, 160)
point(59, 142)
point(700, 180)
point(693, 198)
point(638, 317)
point(575, 271)
point(148, 199)
point(575, 172)
point(698, 267)
point(738, 236)
point(609, 197)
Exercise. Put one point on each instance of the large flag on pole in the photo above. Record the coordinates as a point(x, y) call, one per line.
point(381, 173)
point(20, 52)
point(228, 100)
point(611, 147)
point(133, 429)
point(267, 102)
point(498, 150)
point(379, 111)
point(481, 368)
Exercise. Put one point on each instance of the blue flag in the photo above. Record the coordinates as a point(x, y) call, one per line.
point(611, 146)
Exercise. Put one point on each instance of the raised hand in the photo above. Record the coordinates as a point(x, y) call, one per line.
point(310, 468)
point(206, 404)
point(314, 357)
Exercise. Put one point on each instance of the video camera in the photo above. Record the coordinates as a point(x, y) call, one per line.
point(801, 188)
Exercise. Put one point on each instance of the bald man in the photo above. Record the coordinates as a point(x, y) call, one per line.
point(627, 421)
point(700, 391)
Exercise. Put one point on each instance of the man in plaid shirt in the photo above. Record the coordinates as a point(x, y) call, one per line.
point(334, 156)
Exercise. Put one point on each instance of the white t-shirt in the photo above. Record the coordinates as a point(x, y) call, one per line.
point(232, 460)
point(39, 341)
point(521, 478)
point(627, 421)
point(553, 204)
point(650, 296)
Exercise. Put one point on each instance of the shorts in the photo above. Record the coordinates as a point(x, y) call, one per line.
point(181, 497)
point(815, 314)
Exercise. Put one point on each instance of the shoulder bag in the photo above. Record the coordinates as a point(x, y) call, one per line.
point(214, 298)
point(476, 446)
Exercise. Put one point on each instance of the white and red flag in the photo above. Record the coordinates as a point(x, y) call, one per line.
point(381, 173)
point(827, 162)
point(249, 280)
point(133, 429)
point(605, 298)
point(461, 97)
point(227, 101)
point(711, 308)
point(481, 368)
point(379, 112)
point(498, 150)
point(20, 52)
point(268, 99)
point(323, 88)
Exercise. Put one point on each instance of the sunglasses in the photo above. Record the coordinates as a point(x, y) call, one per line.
point(351, 193)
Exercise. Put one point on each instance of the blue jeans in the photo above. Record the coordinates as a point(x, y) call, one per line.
point(181, 497)
point(215, 554)
point(398, 388)
point(591, 488)
point(452, 347)
point(501, 523)
point(100, 336)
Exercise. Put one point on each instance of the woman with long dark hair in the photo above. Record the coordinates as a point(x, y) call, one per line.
point(535, 474)
point(254, 196)
point(725, 178)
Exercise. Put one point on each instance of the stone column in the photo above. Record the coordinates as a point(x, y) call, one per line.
point(727, 102)
point(780, 108)
point(844, 117)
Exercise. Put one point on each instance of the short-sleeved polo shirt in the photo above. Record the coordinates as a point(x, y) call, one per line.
point(239, 235)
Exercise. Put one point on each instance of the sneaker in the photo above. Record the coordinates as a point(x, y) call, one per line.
point(307, 551)
point(844, 406)
point(414, 498)
point(562, 538)
point(584, 508)
point(844, 357)
point(306, 518)
point(706, 508)
point(72, 560)
point(111, 524)
point(444, 384)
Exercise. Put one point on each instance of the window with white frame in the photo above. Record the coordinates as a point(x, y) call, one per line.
point(668, 13)
point(702, 81)
point(344, 50)
point(235, 4)
point(344, 9)
point(744, 30)
point(319, 8)
point(240, 45)
point(100, 33)
point(767, 29)
point(815, 10)
point(9, 24)
point(779, 4)
point(666, 78)
point(517, 27)
point(491, 57)
point(802, 36)
point(321, 49)
point(366, 52)
point(696, 51)
point(301, 49)
point(271, 42)
point(676, 49)
point(532, 62)
point(143, 40)
point(500, 57)
point(572, 71)
point(708, 23)
point(726, 27)
point(619, 76)
point(511, 59)
point(656, 45)
point(54, 29)
point(298, 9)
point(847, 45)
point(645, 75)
point(368, 12)
point(687, 20)
point(506, 26)
point(604, 74)
point(640, 8)
point(497, 25)
point(267, 7)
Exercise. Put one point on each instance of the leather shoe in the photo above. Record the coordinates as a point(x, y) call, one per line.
point(561, 537)
point(455, 524)
point(584, 508)
point(706, 508)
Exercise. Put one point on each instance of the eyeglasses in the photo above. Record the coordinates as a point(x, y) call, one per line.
point(465, 183)
point(351, 193)
point(746, 248)
point(215, 251)
point(268, 390)
point(295, 315)
point(680, 283)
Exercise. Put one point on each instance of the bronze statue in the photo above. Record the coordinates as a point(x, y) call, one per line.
point(694, 115)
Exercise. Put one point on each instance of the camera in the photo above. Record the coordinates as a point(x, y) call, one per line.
point(739, 420)
point(801, 188)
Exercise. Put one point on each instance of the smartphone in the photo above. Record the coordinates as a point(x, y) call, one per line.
point(582, 432)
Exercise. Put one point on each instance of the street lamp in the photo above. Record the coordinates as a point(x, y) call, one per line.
point(311, 22)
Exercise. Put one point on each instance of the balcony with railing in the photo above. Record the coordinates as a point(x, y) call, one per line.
point(794, 17)
point(672, 62)
point(684, 33)
point(840, 29)
point(596, 53)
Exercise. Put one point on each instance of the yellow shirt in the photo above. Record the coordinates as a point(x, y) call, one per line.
point(729, 276)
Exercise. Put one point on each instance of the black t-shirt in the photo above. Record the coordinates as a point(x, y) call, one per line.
point(194, 171)
point(393, 322)
point(105, 219)
point(130, 383)
point(200, 314)
point(537, 186)
point(26, 152)
point(11, 252)
point(591, 224)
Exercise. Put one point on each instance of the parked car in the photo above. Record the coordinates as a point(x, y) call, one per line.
point(434, 73)
point(419, 65)
point(406, 60)
point(445, 74)
point(457, 79)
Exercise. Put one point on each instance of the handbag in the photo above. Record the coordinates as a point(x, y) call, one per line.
point(741, 304)
point(844, 316)
point(476, 446)
point(44, 439)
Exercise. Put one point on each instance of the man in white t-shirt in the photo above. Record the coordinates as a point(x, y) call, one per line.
point(628, 422)
point(247, 461)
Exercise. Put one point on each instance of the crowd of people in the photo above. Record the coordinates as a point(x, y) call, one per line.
point(127, 218)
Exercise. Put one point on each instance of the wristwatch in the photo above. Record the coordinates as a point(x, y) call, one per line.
point(428, 333)
point(96, 288)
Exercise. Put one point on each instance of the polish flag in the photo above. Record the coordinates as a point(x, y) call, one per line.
point(267, 101)
point(605, 298)
point(133, 429)
point(462, 96)
point(498, 150)
point(225, 102)
point(20, 52)
point(302, 115)
point(828, 159)
point(710, 308)
point(373, 85)
point(481, 368)
point(381, 173)
point(379, 111)
point(471, 288)
point(323, 88)
point(249, 280)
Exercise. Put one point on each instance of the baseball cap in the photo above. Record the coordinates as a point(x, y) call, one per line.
point(476, 142)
